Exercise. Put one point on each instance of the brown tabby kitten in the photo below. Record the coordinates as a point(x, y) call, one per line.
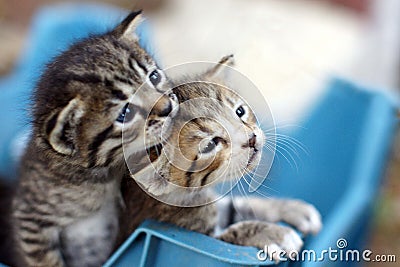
point(65, 210)
point(206, 143)
point(6, 192)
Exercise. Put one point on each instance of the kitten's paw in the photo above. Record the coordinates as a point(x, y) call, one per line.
point(289, 242)
point(305, 217)
point(270, 237)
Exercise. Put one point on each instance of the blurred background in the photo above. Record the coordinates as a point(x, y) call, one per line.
point(288, 48)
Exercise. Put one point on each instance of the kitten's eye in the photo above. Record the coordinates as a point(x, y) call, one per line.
point(211, 145)
point(125, 115)
point(155, 77)
point(240, 111)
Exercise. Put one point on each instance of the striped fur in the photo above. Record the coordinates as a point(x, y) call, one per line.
point(67, 201)
point(196, 124)
point(207, 115)
point(236, 142)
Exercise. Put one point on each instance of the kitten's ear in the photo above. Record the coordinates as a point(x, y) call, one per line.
point(126, 29)
point(61, 127)
point(218, 70)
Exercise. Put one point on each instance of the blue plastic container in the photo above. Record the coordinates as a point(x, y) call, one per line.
point(158, 244)
point(346, 140)
point(347, 137)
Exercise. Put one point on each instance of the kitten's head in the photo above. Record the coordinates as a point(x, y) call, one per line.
point(84, 98)
point(214, 137)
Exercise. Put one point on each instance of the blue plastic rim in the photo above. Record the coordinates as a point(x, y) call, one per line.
point(159, 244)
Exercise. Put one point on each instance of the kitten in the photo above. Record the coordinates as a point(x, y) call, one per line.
point(65, 211)
point(6, 191)
point(218, 138)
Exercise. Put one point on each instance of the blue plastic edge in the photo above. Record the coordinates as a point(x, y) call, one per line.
point(192, 241)
point(383, 113)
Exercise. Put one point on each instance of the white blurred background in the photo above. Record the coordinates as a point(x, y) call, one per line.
point(288, 48)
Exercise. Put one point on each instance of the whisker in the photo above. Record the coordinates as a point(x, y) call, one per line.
point(283, 126)
point(288, 158)
point(289, 141)
point(259, 184)
point(257, 191)
point(263, 186)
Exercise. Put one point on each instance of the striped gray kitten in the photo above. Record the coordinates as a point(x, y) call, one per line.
point(66, 207)
point(217, 139)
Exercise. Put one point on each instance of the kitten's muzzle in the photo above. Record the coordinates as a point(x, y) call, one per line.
point(163, 106)
point(252, 157)
point(251, 142)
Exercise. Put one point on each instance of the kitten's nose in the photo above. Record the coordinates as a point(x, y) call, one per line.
point(252, 140)
point(163, 107)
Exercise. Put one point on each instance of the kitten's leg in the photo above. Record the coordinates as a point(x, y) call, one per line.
point(89, 242)
point(263, 235)
point(37, 246)
point(301, 215)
